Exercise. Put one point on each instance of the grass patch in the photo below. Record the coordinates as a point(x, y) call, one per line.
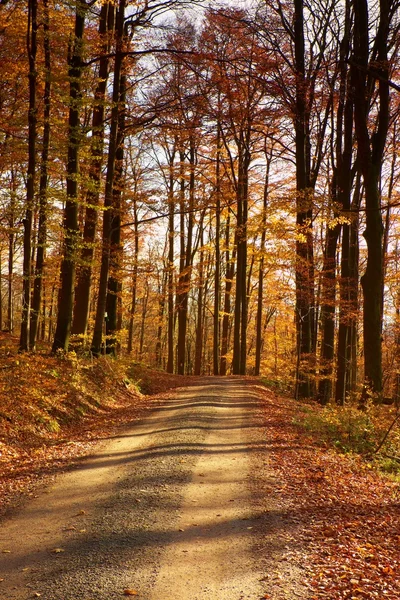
point(373, 432)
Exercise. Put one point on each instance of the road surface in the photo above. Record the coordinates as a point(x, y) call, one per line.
point(173, 508)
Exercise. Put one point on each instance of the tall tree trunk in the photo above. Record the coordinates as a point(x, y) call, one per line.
point(114, 281)
point(84, 273)
point(134, 277)
point(186, 257)
point(71, 227)
point(108, 199)
point(42, 225)
point(371, 152)
point(217, 276)
point(304, 245)
point(162, 294)
point(229, 275)
point(200, 303)
point(341, 190)
point(171, 236)
point(11, 252)
point(240, 321)
point(145, 299)
point(30, 182)
point(260, 291)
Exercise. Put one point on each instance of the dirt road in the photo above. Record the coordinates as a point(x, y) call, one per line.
point(174, 508)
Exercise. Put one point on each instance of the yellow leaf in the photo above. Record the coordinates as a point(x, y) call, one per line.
point(58, 550)
point(131, 593)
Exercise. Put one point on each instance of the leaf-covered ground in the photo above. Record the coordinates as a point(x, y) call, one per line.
point(342, 519)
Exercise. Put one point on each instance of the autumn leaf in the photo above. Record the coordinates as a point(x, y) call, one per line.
point(130, 592)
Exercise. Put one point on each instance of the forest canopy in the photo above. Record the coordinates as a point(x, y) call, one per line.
point(209, 189)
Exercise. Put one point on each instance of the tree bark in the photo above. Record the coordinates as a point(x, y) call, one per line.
point(71, 227)
point(97, 339)
point(229, 275)
point(371, 152)
point(84, 273)
point(114, 281)
point(304, 243)
point(42, 225)
point(31, 173)
point(260, 291)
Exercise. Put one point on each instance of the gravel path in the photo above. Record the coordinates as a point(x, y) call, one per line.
point(173, 508)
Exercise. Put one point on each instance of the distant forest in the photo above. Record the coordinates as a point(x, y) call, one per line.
point(212, 190)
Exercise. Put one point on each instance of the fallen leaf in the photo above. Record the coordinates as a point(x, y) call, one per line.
point(6, 551)
point(58, 550)
point(129, 592)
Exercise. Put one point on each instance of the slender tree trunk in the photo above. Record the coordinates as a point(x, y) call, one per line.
point(328, 314)
point(114, 281)
point(84, 273)
point(229, 275)
point(171, 236)
point(371, 152)
point(71, 227)
point(186, 259)
point(162, 292)
point(30, 183)
point(108, 199)
point(42, 225)
point(341, 189)
point(217, 276)
point(304, 244)
point(145, 299)
point(11, 252)
point(200, 303)
point(134, 279)
point(260, 291)
point(240, 321)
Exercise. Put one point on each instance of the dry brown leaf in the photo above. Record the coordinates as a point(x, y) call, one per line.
point(58, 550)
point(129, 592)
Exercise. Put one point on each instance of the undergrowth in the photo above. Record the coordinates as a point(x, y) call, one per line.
point(373, 432)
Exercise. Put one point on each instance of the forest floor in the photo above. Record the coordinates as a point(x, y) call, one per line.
point(319, 525)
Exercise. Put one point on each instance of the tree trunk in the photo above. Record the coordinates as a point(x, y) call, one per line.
point(84, 273)
point(42, 225)
point(240, 321)
point(186, 258)
point(171, 235)
point(199, 324)
point(71, 227)
point(114, 281)
point(260, 291)
point(217, 276)
point(229, 275)
point(11, 252)
point(30, 180)
point(108, 199)
point(304, 243)
point(371, 152)
point(134, 279)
